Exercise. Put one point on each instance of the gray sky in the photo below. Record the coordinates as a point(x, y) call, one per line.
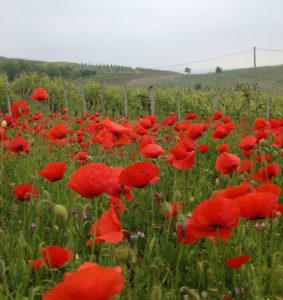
point(143, 33)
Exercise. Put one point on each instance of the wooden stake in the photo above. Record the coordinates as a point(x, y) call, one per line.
point(126, 99)
point(102, 97)
point(179, 107)
point(151, 98)
point(65, 96)
point(83, 98)
point(215, 103)
point(7, 94)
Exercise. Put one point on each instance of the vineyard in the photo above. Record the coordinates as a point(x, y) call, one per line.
point(236, 103)
point(269, 79)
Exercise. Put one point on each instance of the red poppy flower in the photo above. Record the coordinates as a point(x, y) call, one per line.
point(220, 132)
point(263, 157)
point(246, 165)
point(255, 206)
point(213, 217)
point(39, 94)
point(191, 116)
point(181, 158)
point(222, 148)
point(203, 148)
point(174, 209)
point(114, 189)
point(90, 282)
point(57, 132)
point(25, 192)
point(139, 175)
point(248, 143)
point(117, 204)
point(3, 136)
point(236, 262)
point(56, 256)
point(195, 131)
point(235, 192)
point(91, 180)
point(265, 174)
point(18, 144)
point(151, 151)
point(259, 123)
point(269, 188)
point(227, 163)
point(216, 116)
point(53, 171)
point(20, 109)
point(108, 228)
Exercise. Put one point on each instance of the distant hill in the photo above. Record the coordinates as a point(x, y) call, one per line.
point(269, 79)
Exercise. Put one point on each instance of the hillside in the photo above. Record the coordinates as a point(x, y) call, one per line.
point(269, 79)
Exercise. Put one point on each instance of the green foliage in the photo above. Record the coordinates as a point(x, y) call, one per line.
point(218, 69)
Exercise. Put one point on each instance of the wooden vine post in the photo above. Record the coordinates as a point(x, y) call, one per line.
point(83, 98)
point(215, 103)
point(102, 97)
point(179, 107)
point(8, 99)
point(126, 99)
point(65, 96)
point(151, 99)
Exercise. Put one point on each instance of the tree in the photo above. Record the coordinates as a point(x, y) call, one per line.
point(188, 70)
point(218, 69)
point(198, 86)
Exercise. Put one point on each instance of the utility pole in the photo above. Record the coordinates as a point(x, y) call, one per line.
point(255, 66)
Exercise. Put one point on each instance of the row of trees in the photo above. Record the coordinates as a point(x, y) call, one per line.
point(14, 67)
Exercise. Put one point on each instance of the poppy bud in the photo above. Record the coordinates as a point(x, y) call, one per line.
point(192, 199)
point(133, 256)
point(261, 142)
point(209, 273)
point(200, 266)
point(79, 209)
point(60, 211)
point(217, 182)
point(165, 208)
point(194, 295)
point(3, 124)
point(156, 293)
point(177, 196)
point(121, 253)
point(182, 220)
point(203, 295)
point(275, 221)
point(157, 197)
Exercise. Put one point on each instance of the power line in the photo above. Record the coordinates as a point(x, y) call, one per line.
point(204, 60)
point(275, 50)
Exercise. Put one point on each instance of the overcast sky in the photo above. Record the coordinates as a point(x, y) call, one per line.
point(143, 33)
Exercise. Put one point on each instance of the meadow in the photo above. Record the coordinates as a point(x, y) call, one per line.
point(101, 205)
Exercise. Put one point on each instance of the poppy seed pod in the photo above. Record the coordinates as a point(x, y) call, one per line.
point(177, 196)
point(121, 253)
point(182, 220)
point(165, 208)
point(194, 295)
point(4, 124)
point(209, 273)
point(60, 211)
point(156, 293)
